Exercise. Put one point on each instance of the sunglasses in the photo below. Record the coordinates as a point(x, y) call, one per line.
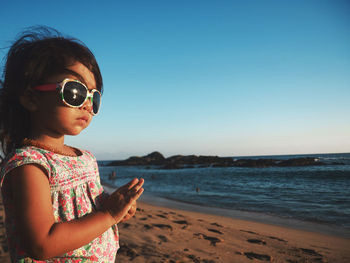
point(74, 93)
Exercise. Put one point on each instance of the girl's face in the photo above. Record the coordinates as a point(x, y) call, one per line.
point(55, 119)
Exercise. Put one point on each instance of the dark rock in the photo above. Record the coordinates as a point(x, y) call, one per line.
point(337, 163)
point(172, 166)
point(182, 159)
point(255, 162)
point(261, 163)
point(194, 161)
point(306, 161)
point(154, 158)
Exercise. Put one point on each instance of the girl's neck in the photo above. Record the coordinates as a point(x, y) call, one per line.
point(56, 146)
point(49, 140)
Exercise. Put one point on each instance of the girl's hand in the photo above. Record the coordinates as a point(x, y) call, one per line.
point(131, 212)
point(120, 202)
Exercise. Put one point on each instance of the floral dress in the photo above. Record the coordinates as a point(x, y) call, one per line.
point(76, 190)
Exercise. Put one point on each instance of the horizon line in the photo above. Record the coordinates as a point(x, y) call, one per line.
point(263, 155)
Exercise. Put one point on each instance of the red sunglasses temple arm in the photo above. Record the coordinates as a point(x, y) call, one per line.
point(47, 87)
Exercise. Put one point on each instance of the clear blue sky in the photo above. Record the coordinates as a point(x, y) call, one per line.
point(224, 78)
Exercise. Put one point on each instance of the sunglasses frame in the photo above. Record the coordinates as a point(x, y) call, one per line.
point(60, 87)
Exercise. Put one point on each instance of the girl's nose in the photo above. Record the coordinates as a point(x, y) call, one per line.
point(87, 105)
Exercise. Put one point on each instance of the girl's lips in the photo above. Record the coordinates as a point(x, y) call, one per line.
point(84, 118)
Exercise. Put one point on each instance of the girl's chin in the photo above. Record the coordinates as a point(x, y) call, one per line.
point(74, 132)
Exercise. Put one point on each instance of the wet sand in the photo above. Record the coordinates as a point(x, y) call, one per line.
point(161, 234)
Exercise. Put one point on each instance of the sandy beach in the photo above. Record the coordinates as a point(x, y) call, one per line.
point(4, 255)
point(161, 234)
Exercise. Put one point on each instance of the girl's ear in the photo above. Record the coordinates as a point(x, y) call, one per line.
point(29, 101)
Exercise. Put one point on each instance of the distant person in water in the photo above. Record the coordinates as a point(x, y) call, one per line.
point(112, 175)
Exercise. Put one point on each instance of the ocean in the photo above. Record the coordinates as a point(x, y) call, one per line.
point(315, 194)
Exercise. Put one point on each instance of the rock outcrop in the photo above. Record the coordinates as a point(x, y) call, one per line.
point(154, 158)
point(191, 161)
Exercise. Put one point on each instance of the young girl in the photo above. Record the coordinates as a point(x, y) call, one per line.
point(56, 209)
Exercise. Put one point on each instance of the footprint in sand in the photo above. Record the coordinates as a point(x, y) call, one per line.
point(196, 259)
point(310, 252)
point(257, 241)
point(216, 224)
point(278, 239)
point(147, 226)
point(163, 226)
point(125, 225)
point(181, 222)
point(162, 216)
point(128, 251)
point(252, 255)
point(163, 238)
point(213, 240)
point(215, 231)
point(250, 232)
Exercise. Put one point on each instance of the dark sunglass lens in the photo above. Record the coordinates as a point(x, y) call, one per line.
point(96, 101)
point(74, 93)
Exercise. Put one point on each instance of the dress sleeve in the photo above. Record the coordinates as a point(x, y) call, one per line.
point(22, 157)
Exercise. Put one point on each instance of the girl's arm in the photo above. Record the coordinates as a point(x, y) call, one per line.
point(42, 238)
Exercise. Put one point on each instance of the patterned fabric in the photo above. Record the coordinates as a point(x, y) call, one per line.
point(76, 190)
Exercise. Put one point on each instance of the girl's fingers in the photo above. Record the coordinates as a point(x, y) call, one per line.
point(134, 182)
point(139, 184)
point(139, 193)
point(135, 195)
point(130, 184)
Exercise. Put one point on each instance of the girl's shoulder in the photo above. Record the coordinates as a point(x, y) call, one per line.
point(32, 153)
point(47, 159)
point(87, 153)
point(25, 153)
point(21, 156)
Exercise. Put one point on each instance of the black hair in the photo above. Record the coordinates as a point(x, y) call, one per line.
point(38, 54)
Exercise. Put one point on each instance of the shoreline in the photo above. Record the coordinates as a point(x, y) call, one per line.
point(162, 234)
point(248, 216)
point(256, 217)
point(164, 230)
